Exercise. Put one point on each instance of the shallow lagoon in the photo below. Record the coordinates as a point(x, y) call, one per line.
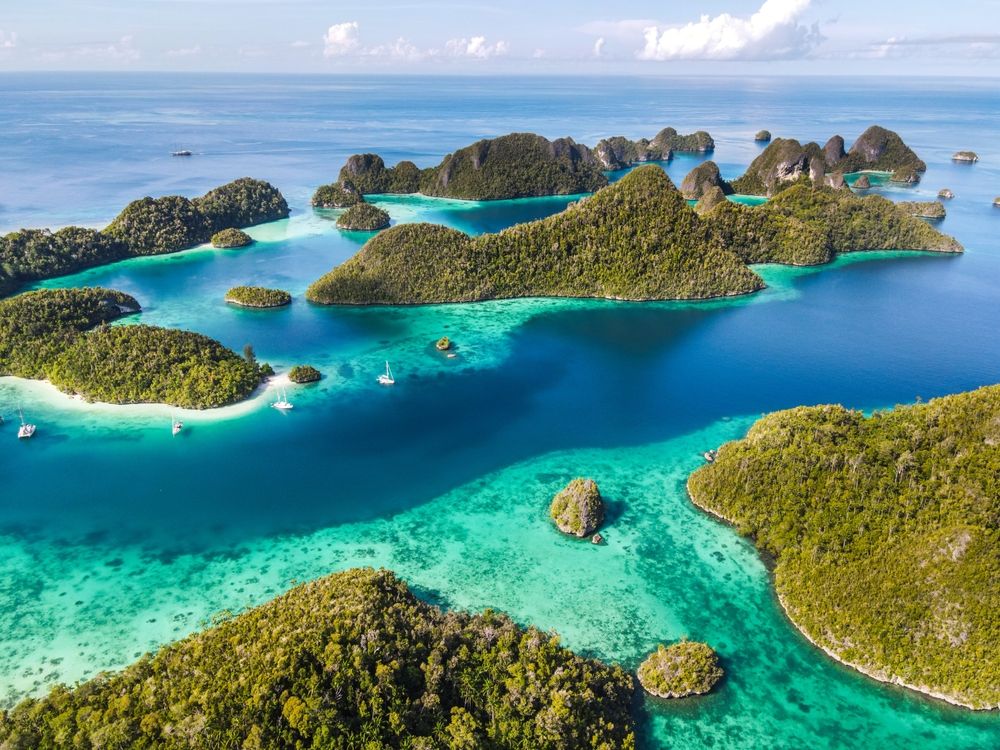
point(118, 537)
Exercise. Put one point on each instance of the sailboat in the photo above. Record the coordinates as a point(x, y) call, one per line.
point(283, 404)
point(176, 426)
point(386, 378)
point(26, 430)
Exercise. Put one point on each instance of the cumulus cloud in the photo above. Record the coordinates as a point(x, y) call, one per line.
point(401, 49)
point(341, 39)
point(773, 32)
point(599, 47)
point(476, 47)
point(8, 40)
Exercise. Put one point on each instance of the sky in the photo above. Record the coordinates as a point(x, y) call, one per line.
point(722, 37)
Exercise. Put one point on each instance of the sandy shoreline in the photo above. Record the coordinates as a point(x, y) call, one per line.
point(867, 671)
point(42, 391)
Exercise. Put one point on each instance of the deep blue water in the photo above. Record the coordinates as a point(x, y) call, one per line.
point(533, 378)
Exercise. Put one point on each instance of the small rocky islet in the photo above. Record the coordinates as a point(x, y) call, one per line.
point(680, 670)
point(304, 374)
point(363, 217)
point(258, 296)
point(966, 157)
point(578, 509)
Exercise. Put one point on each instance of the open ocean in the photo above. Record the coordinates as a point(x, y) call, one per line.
point(116, 537)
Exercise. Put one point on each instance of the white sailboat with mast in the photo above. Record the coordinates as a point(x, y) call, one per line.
point(386, 378)
point(283, 404)
point(26, 430)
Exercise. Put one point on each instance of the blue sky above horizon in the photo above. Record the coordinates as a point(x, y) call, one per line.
point(727, 37)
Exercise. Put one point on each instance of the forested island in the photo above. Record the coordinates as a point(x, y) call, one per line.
point(363, 217)
point(351, 660)
point(62, 335)
point(680, 670)
point(148, 226)
point(518, 165)
point(258, 296)
point(636, 239)
point(787, 161)
point(884, 534)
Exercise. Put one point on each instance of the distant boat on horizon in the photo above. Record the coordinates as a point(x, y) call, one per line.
point(386, 378)
point(26, 430)
point(182, 152)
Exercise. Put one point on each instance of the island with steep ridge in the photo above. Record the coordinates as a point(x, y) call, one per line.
point(518, 165)
point(884, 534)
point(637, 239)
point(786, 161)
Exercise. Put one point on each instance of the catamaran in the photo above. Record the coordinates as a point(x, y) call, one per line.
point(283, 404)
point(26, 430)
point(176, 426)
point(387, 378)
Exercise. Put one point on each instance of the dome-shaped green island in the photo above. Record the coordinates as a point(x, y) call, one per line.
point(258, 296)
point(578, 509)
point(231, 238)
point(304, 374)
point(763, 136)
point(683, 669)
point(363, 217)
point(443, 344)
point(341, 194)
point(945, 194)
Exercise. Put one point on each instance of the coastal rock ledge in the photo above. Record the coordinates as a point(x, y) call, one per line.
point(680, 670)
point(578, 509)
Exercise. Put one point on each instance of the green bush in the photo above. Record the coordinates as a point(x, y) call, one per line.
point(353, 660)
point(884, 531)
point(258, 296)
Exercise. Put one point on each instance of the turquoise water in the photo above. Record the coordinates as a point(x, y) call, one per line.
point(117, 537)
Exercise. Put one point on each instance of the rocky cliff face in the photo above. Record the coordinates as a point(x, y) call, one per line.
point(701, 179)
point(787, 160)
point(620, 152)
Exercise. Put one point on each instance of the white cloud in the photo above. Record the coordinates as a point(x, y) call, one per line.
point(539, 53)
point(476, 47)
point(401, 49)
point(8, 40)
point(300, 43)
point(185, 51)
point(773, 32)
point(599, 47)
point(341, 39)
